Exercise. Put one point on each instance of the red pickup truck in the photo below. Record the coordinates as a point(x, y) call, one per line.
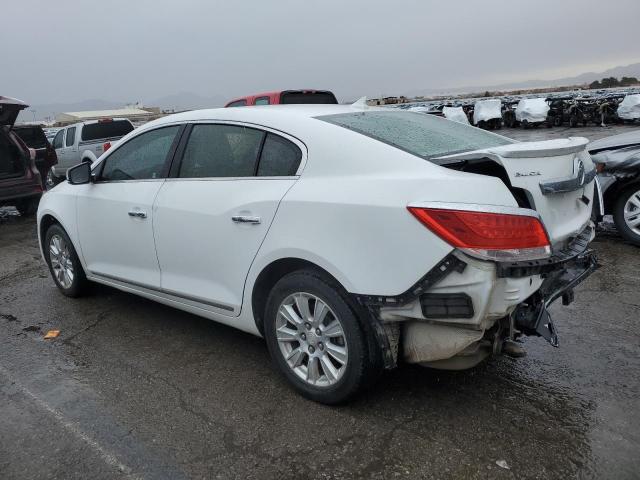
point(285, 97)
point(20, 182)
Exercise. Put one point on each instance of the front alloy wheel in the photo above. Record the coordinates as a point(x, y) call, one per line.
point(63, 262)
point(311, 339)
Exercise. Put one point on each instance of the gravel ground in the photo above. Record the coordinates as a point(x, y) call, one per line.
point(134, 389)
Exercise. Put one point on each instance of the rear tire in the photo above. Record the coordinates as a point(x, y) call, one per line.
point(626, 212)
point(324, 357)
point(64, 264)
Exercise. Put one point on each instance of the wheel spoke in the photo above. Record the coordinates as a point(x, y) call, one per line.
point(633, 220)
point(634, 200)
point(295, 357)
point(319, 312)
point(302, 302)
point(329, 370)
point(313, 372)
point(337, 352)
point(290, 315)
point(334, 329)
point(285, 334)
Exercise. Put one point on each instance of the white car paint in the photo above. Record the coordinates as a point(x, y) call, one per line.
point(345, 211)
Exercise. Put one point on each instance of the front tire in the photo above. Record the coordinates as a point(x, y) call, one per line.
point(315, 339)
point(63, 262)
point(626, 214)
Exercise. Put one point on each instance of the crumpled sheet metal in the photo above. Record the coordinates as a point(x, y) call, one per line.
point(622, 159)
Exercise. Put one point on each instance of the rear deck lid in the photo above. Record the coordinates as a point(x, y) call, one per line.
point(9, 110)
point(557, 175)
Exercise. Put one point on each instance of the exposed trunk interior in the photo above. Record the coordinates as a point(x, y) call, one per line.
point(12, 161)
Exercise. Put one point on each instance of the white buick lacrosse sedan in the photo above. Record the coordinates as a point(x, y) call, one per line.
point(349, 237)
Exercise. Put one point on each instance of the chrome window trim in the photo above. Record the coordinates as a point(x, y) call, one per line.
point(299, 143)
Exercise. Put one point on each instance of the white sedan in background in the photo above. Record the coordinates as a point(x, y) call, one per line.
point(347, 236)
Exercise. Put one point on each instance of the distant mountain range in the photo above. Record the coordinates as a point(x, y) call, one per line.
point(632, 70)
point(186, 100)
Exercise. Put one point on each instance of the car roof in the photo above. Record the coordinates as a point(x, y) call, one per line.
point(277, 92)
point(282, 117)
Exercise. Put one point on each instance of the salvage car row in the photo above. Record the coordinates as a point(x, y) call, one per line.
point(529, 111)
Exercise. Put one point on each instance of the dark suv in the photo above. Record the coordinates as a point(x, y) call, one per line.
point(20, 182)
point(34, 137)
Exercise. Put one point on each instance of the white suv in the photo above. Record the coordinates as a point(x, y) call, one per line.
point(346, 236)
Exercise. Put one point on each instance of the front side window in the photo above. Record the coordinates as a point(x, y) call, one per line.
point(57, 140)
point(221, 151)
point(238, 103)
point(279, 157)
point(422, 135)
point(71, 136)
point(142, 157)
point(261, 101)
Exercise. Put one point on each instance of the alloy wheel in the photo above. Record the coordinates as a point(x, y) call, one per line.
point(61, 262)
point(311, 339)
point(632, 212)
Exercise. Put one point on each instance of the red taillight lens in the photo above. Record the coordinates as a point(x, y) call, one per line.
point(508, 235)
point(106, 146)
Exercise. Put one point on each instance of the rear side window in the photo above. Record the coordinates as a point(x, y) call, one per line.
point(279, 157)
point(261, 101)
point(71, 136)
point(426, 136)
point(308, 97)
point(142, 157)
point(238, 103)
point(221, 151)
point(101, 130)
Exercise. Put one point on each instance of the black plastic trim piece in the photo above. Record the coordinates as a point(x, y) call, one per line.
point(451, 305)
point(576, 247)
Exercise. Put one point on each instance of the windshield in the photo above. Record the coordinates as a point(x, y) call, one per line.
point(423, 135)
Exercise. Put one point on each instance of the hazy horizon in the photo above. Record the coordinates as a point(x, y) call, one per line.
point(62, 52)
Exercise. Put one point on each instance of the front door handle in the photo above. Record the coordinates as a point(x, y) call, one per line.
point(245, 219)
point(137, 213)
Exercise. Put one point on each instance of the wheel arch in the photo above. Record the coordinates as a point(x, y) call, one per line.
point(611, 194)
point(270, 275)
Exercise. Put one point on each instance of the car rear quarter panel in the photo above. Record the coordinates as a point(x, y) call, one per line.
point(348, 214)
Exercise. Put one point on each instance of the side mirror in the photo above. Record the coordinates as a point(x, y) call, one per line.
point(80, 174)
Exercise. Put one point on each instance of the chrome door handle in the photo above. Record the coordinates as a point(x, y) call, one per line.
point(137, 213)
point(245, 219)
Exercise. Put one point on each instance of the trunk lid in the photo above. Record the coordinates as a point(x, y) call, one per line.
point(556, 175)
point(9, 110)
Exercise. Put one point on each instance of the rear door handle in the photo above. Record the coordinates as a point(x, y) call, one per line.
point(137, 213)
point(245, 219)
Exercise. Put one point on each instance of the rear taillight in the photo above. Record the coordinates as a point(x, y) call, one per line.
point(488, 235)
point(106, 146)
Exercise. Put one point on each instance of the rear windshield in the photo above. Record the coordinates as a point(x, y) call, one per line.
point(307, 97)
point(33, 136)
point(96, 131)
point(420, 134)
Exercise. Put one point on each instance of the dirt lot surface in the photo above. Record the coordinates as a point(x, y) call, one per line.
point(134, 389)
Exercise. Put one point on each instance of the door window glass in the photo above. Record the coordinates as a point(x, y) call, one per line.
point(262, 101)
point(238, 103)
point(57, 140)
point(279, 157)
point(71, 136)
point(221, 151)
point(142, 157)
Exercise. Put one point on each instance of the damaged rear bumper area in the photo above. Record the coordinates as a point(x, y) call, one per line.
point(466, 309)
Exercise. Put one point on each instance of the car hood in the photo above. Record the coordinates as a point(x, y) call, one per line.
point(615, 141)
point(9, 109)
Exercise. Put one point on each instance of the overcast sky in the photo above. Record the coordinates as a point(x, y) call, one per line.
point(124, 50)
